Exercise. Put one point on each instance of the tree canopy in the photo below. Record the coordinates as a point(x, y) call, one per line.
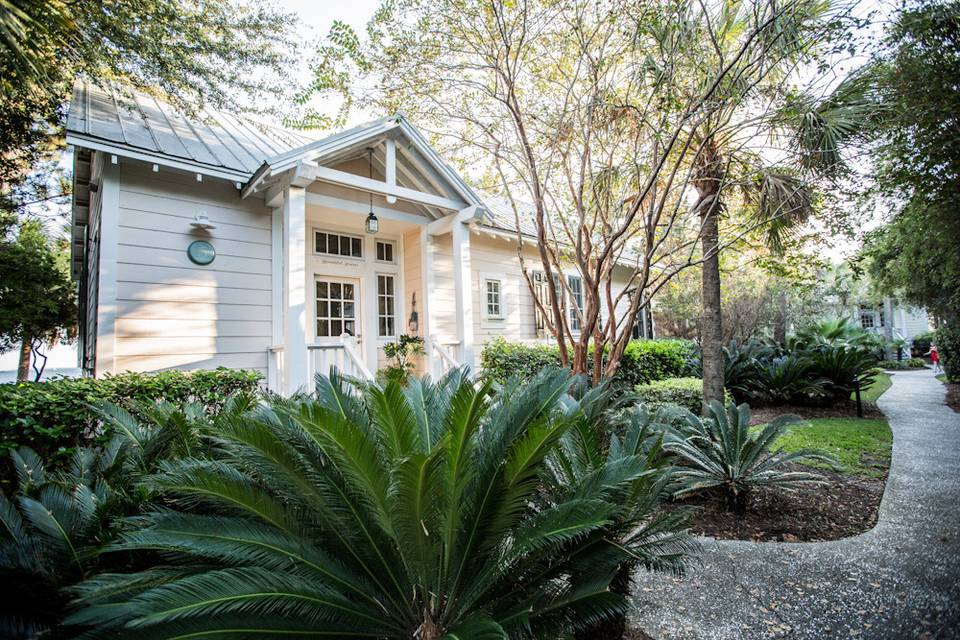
point(914, 76)
point(194, 53)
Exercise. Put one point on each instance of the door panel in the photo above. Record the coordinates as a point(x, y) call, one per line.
point(337, 308)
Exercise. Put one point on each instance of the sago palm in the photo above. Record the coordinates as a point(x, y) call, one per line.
point(387, 512)
point(721, 453)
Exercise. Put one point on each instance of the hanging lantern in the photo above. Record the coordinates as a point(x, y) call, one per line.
point(373, 225)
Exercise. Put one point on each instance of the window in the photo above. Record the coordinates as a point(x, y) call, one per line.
point(385, 251)
point(336, 309)
point(493, 299)
point(866, 319)
point(386, 312)
point(337, 244)
point(576, 295)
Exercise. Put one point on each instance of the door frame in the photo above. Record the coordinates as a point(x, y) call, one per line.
point(359, 305)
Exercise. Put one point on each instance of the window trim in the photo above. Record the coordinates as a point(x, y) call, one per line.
point(339, 234)
point(392, 296)
point(575, 304)
point(393, 249)
point(487, 280)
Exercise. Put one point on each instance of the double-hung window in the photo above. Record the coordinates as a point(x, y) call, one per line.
point(386, 307)
point(576, 297)
point(494, 291)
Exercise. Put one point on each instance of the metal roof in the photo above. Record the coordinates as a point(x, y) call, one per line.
point(222, 143)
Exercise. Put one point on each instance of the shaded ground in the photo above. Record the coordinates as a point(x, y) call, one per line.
point(899, 580)
point(847, 409)
point(953, 392)
point(846, 505)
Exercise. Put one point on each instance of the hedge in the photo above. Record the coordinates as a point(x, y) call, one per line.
point(900, 365)
point(920, 343)
point(643, 360)
point(684, 392)
point(54, 417)
point(948, 347)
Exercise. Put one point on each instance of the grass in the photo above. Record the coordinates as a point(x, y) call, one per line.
point(876, 389)
point(942, 377)
point(861, 447)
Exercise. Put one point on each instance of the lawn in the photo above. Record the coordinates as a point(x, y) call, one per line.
point(862, 447)
point(880, 384)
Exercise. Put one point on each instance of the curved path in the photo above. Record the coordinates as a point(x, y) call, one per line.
point(899, 580)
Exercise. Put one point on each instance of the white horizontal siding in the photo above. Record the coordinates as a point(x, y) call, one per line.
point(172, 313)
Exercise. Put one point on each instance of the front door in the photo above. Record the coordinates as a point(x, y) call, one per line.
point(338, 309)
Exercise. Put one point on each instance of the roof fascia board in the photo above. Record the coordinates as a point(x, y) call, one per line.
point(88, 142)
point(430, 154)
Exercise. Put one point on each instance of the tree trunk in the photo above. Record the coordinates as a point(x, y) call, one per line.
point(708, 181)
point(614, 627)
point(780, 328)
point(23, 367)
point(711, 325)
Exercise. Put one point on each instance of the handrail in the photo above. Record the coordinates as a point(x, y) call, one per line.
point(349, 345)
point(438, 348)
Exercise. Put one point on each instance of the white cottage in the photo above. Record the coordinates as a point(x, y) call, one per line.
point(218, 242)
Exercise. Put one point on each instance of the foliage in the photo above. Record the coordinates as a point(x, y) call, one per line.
point(787, 379)
point(840, 366)
point(948, 346)
point(383, 511)
point(643, 360)
point(720, 453)
point(921, 343)
point(648, 360)
point(55, 523)
point(899, 365)
point(55, 417)
point(681, 392)
point(860, 447)
point(37, 299)
point(914, 74)
point(402, 352)
point(194, 54)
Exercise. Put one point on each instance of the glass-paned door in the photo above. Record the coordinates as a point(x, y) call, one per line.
point(338, 310)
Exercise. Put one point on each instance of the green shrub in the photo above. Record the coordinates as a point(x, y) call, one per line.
point(721, 453)
point(683, 392)
point(921, 343)
point(899, 365)
point(948, 346)
point(648, 360)
point(54, 417)
point(643, 360)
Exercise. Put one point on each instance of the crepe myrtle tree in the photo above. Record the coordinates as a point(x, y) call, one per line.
point(599, 123)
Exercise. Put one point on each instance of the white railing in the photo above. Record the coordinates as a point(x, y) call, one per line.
point(275, 368)
point(344, 355)
point(443, 354)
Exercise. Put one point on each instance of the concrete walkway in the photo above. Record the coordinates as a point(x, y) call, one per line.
point(900, 580)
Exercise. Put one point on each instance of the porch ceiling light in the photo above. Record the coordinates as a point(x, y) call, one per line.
point(373, 225)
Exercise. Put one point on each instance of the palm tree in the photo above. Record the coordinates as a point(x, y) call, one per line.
point(377, 511)
point(754, 101)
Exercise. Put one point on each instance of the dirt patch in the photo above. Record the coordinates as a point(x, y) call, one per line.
point(636, 634)
point(761, 415)
point(953, 395)
point(845, 506)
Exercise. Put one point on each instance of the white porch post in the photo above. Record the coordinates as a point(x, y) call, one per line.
point(295, 280)
point(462, 280)
point(426, 289)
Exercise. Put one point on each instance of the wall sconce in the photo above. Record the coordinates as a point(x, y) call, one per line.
point(201, 221)
point(413, 325)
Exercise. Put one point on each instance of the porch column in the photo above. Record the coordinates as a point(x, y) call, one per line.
point(463, 285)
point(426, 290)
point(295, 283)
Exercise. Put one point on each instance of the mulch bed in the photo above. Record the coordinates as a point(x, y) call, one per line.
point(847, 409)
point(845, 506)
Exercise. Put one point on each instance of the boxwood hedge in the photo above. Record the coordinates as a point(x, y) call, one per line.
point(643, 360)
point(54, 417)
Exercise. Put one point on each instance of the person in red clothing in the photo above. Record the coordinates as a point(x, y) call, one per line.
point(934, 358)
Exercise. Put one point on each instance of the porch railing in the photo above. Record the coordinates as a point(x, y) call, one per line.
point(344, 355)
point(275, 368)
point(444, 354)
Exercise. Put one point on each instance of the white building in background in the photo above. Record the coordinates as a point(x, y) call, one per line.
point(220, 242)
